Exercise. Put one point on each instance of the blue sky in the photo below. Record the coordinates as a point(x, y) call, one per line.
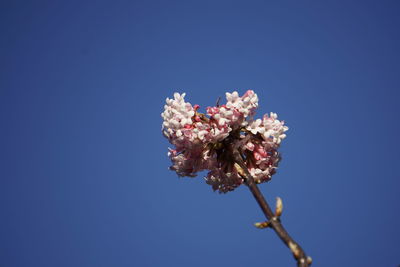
point(84, 177)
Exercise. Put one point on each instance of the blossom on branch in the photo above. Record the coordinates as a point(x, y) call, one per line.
point(201, 140)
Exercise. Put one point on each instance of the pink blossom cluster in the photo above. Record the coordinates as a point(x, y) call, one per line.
point(200, 140)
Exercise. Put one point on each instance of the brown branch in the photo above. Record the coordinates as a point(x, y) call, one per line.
point(273, 219)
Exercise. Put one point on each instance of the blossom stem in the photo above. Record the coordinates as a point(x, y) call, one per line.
point(274, 221)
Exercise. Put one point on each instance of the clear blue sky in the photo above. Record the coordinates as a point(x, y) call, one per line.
point(83, 169)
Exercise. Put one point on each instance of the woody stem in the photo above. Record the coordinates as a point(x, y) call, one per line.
point(274, 221)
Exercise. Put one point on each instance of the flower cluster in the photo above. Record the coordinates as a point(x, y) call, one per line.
point(200, 140)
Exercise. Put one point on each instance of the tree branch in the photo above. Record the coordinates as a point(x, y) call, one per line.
point(273, 219)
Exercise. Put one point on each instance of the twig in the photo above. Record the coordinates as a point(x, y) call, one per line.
point(273, 219)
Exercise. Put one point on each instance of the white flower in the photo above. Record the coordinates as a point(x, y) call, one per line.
point(246, 104)
point(254, 127)
point(177, 113)
point(274, 128)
